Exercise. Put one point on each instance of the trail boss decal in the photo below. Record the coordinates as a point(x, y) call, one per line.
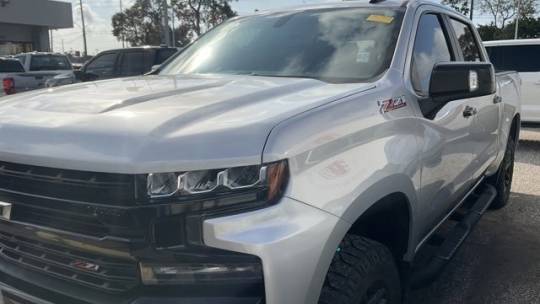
point(392, 104)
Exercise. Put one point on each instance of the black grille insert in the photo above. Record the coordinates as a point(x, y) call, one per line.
point(84, 186)
point(111, 275)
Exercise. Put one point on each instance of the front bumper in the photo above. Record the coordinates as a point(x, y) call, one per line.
point(296, 243)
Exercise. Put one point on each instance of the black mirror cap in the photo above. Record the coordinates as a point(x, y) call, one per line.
point(452, 80)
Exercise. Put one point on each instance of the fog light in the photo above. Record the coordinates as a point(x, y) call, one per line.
point(199, 273)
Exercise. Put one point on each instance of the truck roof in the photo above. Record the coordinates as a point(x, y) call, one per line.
point(510, 42)
point(353, 4)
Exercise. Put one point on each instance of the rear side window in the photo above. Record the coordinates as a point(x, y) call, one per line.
point(136, 63)
point(164, 54)
point(520, 58)
point(11, 66)
point(21, 58)
point(430, 47)
point(49, 63)
point(102, 66)
point(467, 41)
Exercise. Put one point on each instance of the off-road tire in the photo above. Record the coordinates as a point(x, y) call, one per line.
point(502, 180)
point(362, 272)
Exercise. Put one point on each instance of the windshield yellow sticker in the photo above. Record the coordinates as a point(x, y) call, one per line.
point(380, 19)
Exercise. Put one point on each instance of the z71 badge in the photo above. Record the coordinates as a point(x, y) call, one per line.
point(392, 104)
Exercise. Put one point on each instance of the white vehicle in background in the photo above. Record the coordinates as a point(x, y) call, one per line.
point(14, 79)
point(46, 66)
point(521, 56)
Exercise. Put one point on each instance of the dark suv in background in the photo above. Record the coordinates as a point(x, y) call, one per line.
point(124, 62)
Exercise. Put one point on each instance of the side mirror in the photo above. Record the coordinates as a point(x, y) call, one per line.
point(459, 80)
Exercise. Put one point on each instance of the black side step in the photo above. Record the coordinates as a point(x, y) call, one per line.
point(479, 203)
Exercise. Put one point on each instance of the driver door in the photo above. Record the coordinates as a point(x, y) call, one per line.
point(447, 150)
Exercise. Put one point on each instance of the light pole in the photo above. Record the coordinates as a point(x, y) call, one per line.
point(122, 31)
point(471, 13)
point(516, 30)
point(83, 30)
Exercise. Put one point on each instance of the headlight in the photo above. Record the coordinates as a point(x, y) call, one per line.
point(273, 177)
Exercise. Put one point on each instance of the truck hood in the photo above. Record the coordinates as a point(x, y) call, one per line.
point(155, 123)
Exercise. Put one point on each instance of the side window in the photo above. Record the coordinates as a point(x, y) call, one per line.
point(136, 63)
point(21, 58)
point(430, 47)
point(519, 58)
point(102, 66)
point(467, 41)
point(163, 55)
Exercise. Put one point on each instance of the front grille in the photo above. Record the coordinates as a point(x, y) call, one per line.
point(103, 273)
point(84, 186)
point(87, 203)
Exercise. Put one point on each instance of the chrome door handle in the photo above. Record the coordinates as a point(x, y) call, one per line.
point(469, 111)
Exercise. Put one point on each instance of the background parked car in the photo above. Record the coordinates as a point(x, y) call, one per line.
point(45, 66)
point(15, 79)
point(124, 62)
point(522, 56)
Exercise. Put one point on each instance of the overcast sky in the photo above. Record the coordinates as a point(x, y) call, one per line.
point(98, 15)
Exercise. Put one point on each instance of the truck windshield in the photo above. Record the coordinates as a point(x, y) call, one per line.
point(333, 45)
point(49, 63)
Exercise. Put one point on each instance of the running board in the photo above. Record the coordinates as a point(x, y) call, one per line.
point(477, 204)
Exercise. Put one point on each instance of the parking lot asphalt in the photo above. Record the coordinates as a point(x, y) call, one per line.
point(500, 262)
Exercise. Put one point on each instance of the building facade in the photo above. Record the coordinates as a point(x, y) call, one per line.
point(25, 24)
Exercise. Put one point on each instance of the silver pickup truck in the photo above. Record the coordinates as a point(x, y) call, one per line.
point(309, 155)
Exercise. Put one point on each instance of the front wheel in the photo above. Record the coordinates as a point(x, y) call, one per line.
point(502, 180)
point(362, 272)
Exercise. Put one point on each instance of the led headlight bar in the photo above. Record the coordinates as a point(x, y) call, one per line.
point(273, 175)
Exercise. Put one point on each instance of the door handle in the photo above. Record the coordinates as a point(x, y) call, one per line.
point(469, 111)
point(497, 99)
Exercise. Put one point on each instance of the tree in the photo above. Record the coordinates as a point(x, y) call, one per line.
point(490, 32)
point(139, 24)
point(502, 11)
point(528, 28)
point(198, 16)
point(462, 6)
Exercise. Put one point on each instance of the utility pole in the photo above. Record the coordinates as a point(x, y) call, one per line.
point(173, 33)
point(165, 35)
point(51, 44)
point(122, 32)
point(516, 30)
point(63, 50)
point(471, 13)
point(83, 30)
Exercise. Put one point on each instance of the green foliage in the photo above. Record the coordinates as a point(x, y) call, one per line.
point(528, 28)
point(198, 16)
point(504, 11)
point(140, 24)
point(462, 6)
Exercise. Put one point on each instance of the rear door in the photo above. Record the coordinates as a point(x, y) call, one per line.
point(485, 123)
point(136, 62)
point(525, 60)
point(447, 151)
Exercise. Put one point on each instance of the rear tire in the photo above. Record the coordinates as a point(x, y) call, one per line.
point(502, 180)
point(362, 272)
